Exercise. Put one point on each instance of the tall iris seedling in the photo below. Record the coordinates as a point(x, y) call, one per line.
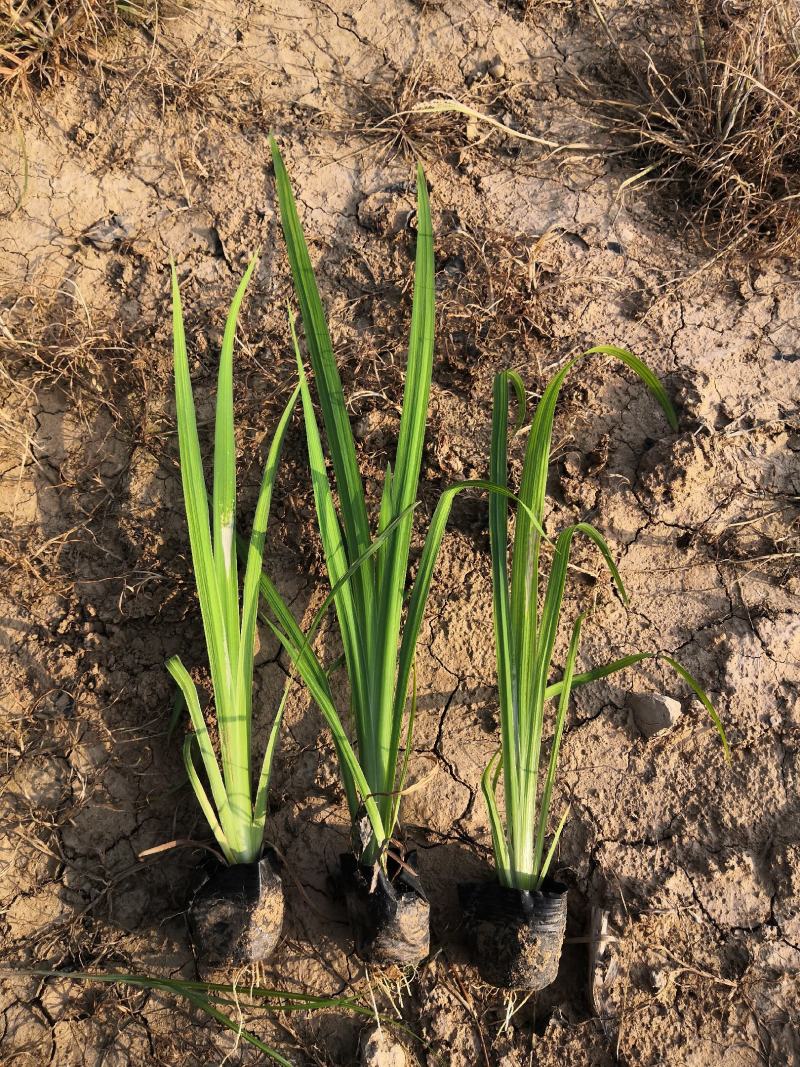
point(234, 812)
point(368, 573)
point(527, 612)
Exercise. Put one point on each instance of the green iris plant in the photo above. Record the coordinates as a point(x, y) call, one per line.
point(527, 614)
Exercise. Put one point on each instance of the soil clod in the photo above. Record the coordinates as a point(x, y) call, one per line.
point(380, 1049)
point(653, 712)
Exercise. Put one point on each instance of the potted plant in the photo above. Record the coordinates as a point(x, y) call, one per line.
point(235, 915)
point(516, 921)
point(368, 572)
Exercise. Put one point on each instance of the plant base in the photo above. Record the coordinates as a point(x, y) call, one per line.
point(516, 936)
point(389, 914)
point(236, 914)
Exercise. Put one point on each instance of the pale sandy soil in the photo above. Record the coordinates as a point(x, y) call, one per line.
point(164, 152)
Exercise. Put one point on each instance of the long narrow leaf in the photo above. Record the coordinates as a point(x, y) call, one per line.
point(206, 806)
point(419, 594)
point(702, 696)
point(197, 517)
point(337, 424)
point(599, 672)
point(499, 844)
point(348, 608)
point(553, 846)
point(404, 489)
point(224, 488)
point(308, 666)
point(555, 749)
point(215, 780)
point(243, 700)
point(504, 645)
point(262, 789)
point(596, 673)
point(412, 714)
point(202, 995)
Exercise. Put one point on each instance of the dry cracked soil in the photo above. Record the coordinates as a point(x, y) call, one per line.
point(159, 148)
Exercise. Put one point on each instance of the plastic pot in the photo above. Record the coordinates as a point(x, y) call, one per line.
point(389, 912)
point(516, 936)
point(236, 913)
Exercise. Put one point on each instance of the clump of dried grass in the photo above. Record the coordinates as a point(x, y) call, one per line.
point(490, 309)
point(38, 37)
point(713, 114)
point(55, 342)
point(388, 115)
point(207, 80)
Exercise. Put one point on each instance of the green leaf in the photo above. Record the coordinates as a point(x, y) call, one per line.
point(555, 749)
point(233, 832)
point(488, 788)
point(334, 411)
point(224, 489)
point(239, 722)
point(504, 644)
point(197, 517)
point(208, 995)
point(631, 660)
point(405, 480)
point(553, 846)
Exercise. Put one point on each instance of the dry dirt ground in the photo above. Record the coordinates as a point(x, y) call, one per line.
point(161, 150)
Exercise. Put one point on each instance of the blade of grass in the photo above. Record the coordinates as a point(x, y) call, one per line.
point(498, 541)
point(420, 590)
point(224, 487)
point(215, 779)
point(200, 995)
point(197, 517)
point(206, 806)
point(262, 788)
point(405, 480)
point(303, 659)
point(555, 749)
point(243, 697)
point(407, 753)
point(334, 411)
point(489, 780)
point(596, 673)
point(336, 560)
point(553, 846)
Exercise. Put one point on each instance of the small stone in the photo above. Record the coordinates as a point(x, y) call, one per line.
point(496, 68)
point(653, 712)
point(380, 1049)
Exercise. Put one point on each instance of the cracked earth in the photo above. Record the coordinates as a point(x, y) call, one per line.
point(162, 151)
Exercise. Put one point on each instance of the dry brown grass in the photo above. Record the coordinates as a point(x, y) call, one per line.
point(39, 37)
point(54, 341)
point(490, 309)
point(205, 80)
point(386, 115)
point(712, 116)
